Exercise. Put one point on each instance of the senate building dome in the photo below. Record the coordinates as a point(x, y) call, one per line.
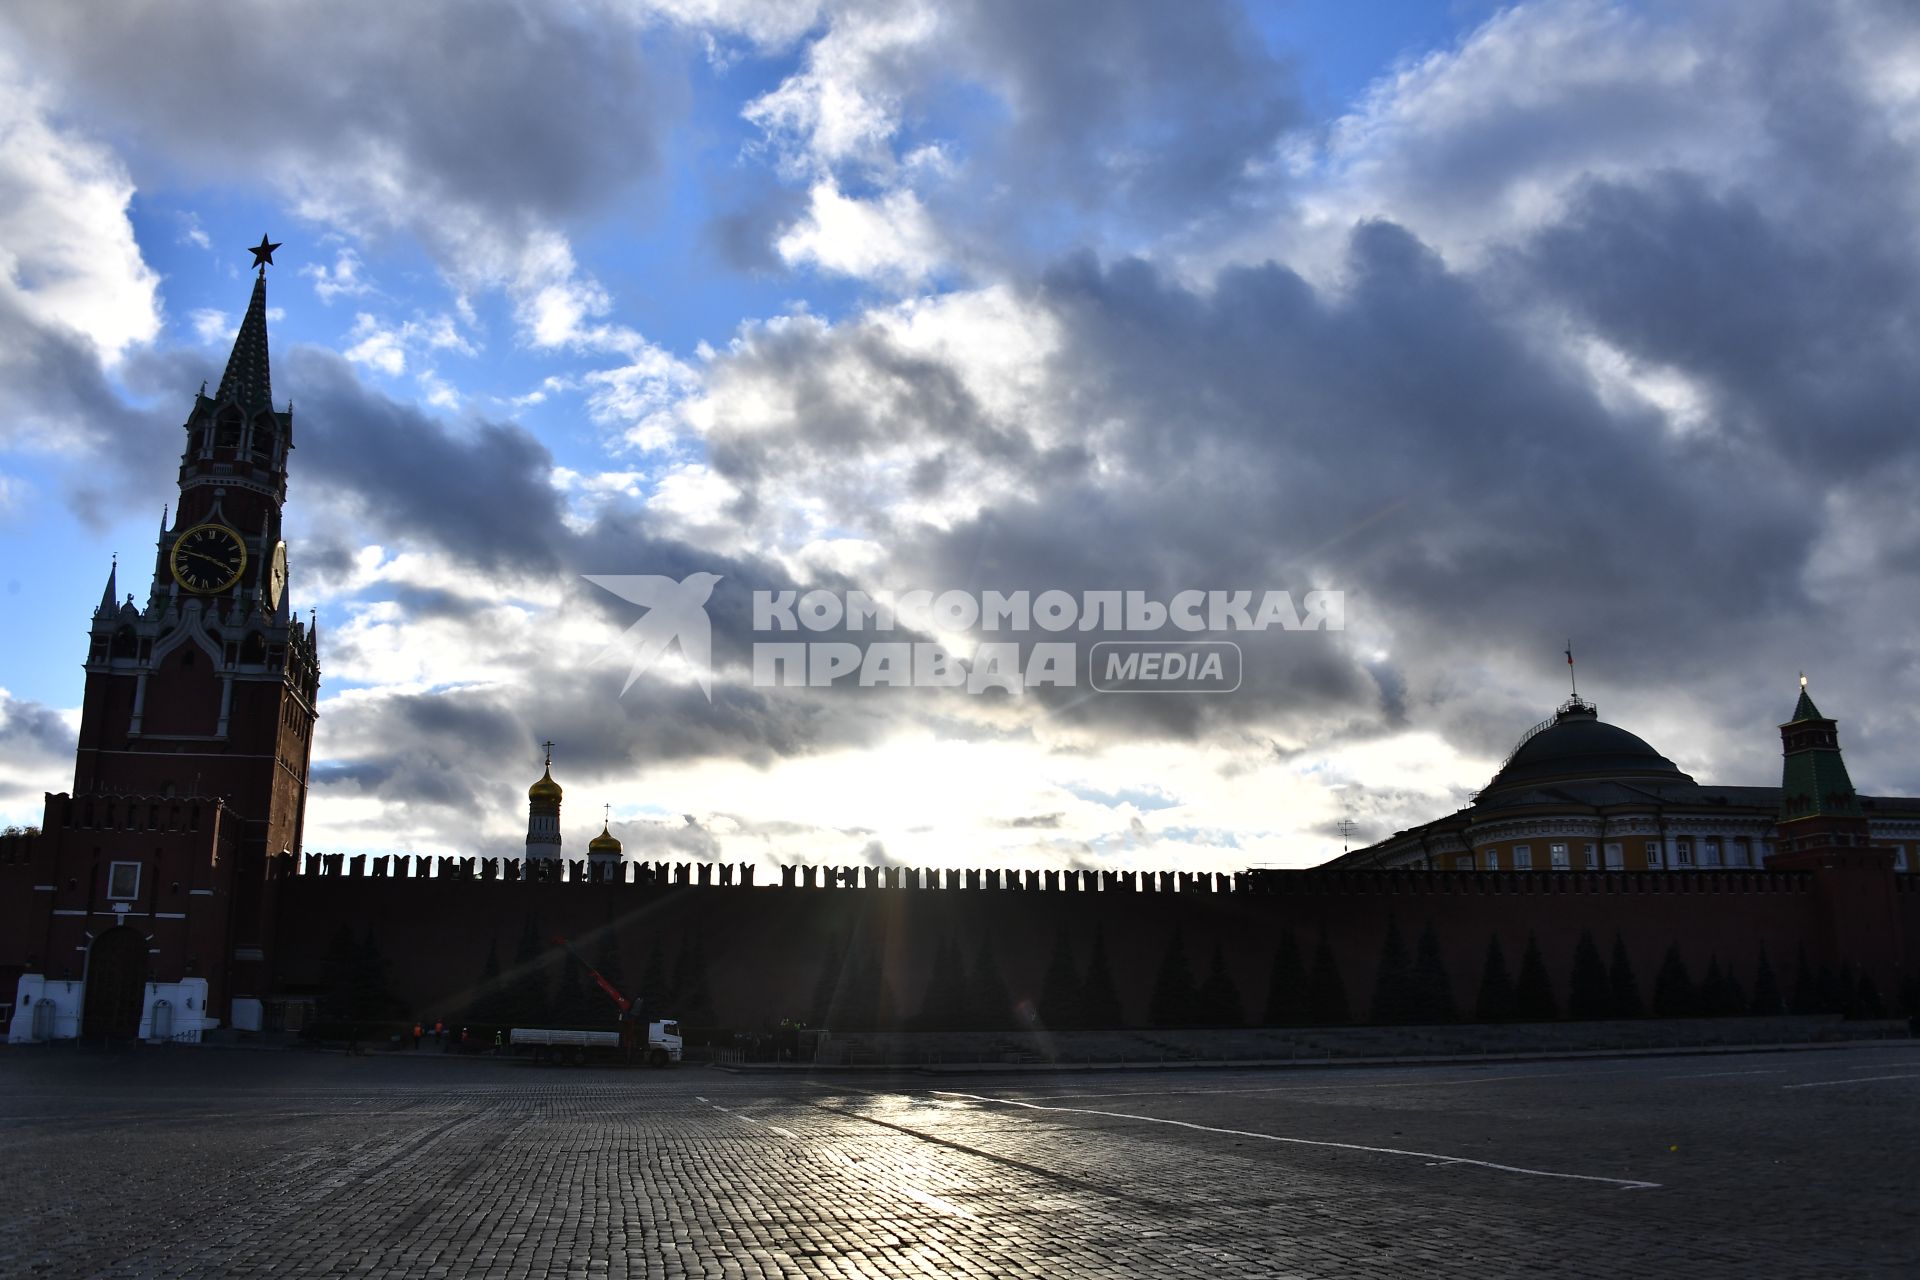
point(1579, 794)
point(1578, 746)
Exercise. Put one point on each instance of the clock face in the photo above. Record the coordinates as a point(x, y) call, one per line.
point(277, 575)
point(208, 558)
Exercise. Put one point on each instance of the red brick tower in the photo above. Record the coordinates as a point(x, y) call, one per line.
point(1824, 829)
point(158, 871)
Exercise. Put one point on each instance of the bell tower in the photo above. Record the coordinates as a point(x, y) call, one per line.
point(196, 731)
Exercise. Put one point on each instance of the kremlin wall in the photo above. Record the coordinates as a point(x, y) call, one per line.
point(768, 950)
point(167, 895)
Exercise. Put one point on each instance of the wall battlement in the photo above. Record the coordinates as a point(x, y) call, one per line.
point(994, 880)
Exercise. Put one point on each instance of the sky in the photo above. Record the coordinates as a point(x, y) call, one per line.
point(1516, 325)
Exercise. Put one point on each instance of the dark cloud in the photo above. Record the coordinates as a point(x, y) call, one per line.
point(55, 397)
point(1804, 342)
point(484, 487)
point(489, 105)
point(30, 729)
point(1157, 109)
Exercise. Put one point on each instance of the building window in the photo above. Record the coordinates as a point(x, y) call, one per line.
point(1616, 857)
point(1523, 857)
point(1463, 863)
point(1683, 853)
point(123, 881)
point(1737, 853)
point(1593, 857)
point(1493, 859)
point(1710, 853)
point(1899, 857)
point(1557, 855)
point(1655, 859)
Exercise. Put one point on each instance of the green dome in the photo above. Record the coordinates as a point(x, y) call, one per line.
point(1578, 746)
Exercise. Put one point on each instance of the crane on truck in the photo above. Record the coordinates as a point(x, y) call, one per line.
point(655, 1043)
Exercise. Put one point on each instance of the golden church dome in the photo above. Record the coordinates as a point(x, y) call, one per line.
point(605, 842)
point(546, 788)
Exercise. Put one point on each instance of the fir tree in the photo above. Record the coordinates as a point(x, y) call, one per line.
point(1589, 993)
point(1393, 979)
point(825, 987)
point(1624, 986)
point(683, 979)
point(1326, 990)
point(580, 1004)
point(526, 983)
point(990, 1004)
point(1766, 989)
point(1496, 999)
point(1836, 989)
point(1432, 988)
point(943, 1007)
point(1865, 1001)
point(488, 1000)
point(1673, 991)
point(1219, 997)
point(1806, 987)
point(1720, 995)
point(1099, 999)
point(1174, 993)
point(864, 1002)
point(1060, 987)
point(654, 984)
point(606, 959)
point(338, 966)
point(692, 992)
point(1533, 992)
point(1287, 1004)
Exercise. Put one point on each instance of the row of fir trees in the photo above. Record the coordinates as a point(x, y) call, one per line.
point(547, 985)
point(1305, 988)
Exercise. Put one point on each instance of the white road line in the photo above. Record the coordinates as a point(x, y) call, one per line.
point(1296, 1088)
point(1625, 1184)
point(1708, 1075)
point(1816, 1084)
point(785, 1133)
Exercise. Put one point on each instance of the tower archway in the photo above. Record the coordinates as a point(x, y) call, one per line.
point(116, 972)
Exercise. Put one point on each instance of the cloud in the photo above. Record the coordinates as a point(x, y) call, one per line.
point(341, 280)
point(211, 326)
point(36, 756)
point(437, 121)
point(69, 261)
point(1128, 119)
point(887, 238)
point(1596, 323)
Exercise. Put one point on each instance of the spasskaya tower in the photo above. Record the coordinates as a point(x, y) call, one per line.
point(196, 730)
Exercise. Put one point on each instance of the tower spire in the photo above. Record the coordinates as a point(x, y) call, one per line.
point(247, 379)
point(1818, 806)
point(111, 596)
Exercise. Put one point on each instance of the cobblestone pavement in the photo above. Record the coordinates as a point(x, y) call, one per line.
point(200, 1162)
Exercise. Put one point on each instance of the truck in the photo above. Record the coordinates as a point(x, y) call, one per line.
point(544, 1044)
point(659, 1046)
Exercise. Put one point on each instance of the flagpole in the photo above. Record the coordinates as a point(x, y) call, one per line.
point(1571, 679)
